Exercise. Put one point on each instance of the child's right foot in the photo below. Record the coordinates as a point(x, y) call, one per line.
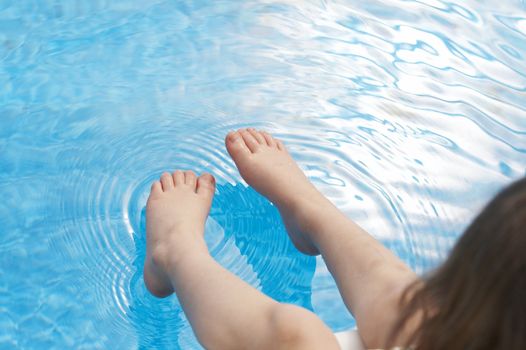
point(266, 165)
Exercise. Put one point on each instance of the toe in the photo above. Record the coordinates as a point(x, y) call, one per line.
point(280, 145)
point(156, 188)
point(250, 141)
point(257, 135)
point(190, 178)
point(269, 139)
point(178, 177)
point(206, 185)
point(167, 182)
point(236, 145)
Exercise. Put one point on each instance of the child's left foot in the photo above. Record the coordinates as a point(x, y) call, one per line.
point(175, 219)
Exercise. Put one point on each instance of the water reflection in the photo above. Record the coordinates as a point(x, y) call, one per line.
point(409, 115)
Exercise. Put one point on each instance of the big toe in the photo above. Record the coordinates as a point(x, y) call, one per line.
point(236, 146)
point(206, 186)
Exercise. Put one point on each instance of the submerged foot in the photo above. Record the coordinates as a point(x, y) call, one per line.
point(266, 165)
point(175, 219)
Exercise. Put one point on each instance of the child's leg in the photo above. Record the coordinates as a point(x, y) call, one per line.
point(224, 311)
point(369, 276)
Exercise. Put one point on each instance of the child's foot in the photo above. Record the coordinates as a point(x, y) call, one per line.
point(266, 165)
point(175, 219)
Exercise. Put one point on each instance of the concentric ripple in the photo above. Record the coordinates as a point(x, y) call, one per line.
point(408, 115)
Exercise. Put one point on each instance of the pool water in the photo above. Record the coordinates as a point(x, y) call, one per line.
point(408, 115)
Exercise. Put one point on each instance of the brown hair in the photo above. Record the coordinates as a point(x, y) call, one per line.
point(477, 298)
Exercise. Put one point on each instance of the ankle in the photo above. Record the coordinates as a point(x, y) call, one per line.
point(170, 254)
point(312, 214)
point(300, 200)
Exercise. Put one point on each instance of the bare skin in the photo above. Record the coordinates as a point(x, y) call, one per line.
point(176, 213)
point(369, 277)
point(224, 311)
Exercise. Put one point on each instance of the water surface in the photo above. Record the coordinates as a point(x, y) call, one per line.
point(408, 115)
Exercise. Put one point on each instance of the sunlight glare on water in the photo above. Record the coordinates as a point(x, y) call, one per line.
point(408, 115)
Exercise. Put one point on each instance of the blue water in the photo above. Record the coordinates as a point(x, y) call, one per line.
point(408, 115)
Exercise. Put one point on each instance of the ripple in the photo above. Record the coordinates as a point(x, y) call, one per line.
point(109, 183)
